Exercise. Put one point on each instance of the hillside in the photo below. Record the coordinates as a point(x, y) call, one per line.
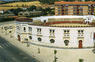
point(20, 4)
point(23, 4)
point(7, 8)
point(2, 2)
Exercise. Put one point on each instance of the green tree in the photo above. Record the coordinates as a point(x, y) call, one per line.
point(32, 8)
point(16, 11)
point(39, 9)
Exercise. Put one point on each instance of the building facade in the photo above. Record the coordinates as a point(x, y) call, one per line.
point(75, 8)
point(8, 28)
point(59, 37)
point(30, 13)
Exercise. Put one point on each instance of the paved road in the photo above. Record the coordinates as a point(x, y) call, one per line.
point(9, 53)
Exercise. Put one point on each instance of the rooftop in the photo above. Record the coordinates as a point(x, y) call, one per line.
point(23, 19)
point(56, 21)
point(64, 24)
point(69, 24)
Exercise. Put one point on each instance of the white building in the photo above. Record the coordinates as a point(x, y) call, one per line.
point(1, 12)
point(69, 38)
point(8, 28)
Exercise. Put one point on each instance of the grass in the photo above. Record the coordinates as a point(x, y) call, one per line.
point(1, 1)
point(7, 8)
point(18, 5)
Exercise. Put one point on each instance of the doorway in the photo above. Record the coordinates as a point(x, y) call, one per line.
point(18, 37)
point(80, 44)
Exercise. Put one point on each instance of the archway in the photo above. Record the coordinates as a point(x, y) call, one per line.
point(66, 42)
point(94, 36)
point(80, 44)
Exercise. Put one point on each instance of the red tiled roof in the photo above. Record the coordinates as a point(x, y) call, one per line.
point(60, 22)
point(75, 2)
point(24, 19)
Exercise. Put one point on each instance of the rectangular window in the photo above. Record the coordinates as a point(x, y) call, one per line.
point(62, 10)
point(80, 10)
point(18, 28)
point(38, 30)
point(89, 9)
point(30, 29)
point(80, 33)
point(66, 10)
point(92, 9)
point(66, 33)
point(10, 27)
point(52, 31)
point(75, 10)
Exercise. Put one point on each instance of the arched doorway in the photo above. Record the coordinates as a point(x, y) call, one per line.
point(80, 44)
point(18, 37)
point(94, 36)
point(66, 42)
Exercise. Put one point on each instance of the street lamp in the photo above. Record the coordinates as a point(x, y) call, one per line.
point(55, 58)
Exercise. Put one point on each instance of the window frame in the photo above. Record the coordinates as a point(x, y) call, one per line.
point(30, 37)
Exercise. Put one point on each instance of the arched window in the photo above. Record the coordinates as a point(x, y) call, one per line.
point(24, 29)
point(52, 40)
point(10, 31)
point(39, 39)
point(44, 21)
point(30, 37)
point(66, 42)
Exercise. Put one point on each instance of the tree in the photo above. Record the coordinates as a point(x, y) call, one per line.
point(32, 8)
point(16, 11)
point(39, 9)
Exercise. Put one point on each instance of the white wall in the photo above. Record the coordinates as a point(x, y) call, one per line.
point(42, 18)
point(87, 40)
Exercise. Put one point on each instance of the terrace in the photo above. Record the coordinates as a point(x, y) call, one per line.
point(59, 22)
point(64, 24)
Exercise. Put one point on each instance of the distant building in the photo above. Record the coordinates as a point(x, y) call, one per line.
point(30, 13)
point(8, 28)
point(75, 8)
